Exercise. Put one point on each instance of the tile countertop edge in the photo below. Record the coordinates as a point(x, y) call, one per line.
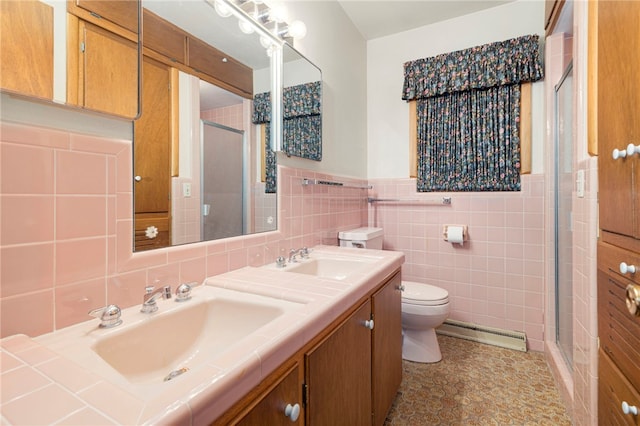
point(253, 372)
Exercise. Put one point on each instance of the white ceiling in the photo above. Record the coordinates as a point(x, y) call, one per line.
point(379, 18)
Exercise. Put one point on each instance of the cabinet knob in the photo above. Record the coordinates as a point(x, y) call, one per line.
point(633, 149)
point(369, 324)
point(137, 178)
point(617, 153)
point(629, 409)
point(624, 268)
point(400, 287)
point(292, 411)
point(633, 299)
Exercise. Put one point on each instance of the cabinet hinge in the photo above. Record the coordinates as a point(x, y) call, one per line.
point(305, 394)
point(82, 46)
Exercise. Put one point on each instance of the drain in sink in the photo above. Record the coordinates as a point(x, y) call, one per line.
point(176, 373)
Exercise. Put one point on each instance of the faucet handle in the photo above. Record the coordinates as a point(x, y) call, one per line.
point(109, 316)
point(304, 252)
point(281, 262)
point(183, 292)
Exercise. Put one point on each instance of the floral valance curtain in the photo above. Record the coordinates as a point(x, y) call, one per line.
point(301, 127)
point(468, 115)
point(503, 63)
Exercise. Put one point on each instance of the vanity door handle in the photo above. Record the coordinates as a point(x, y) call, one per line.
point(618, 153)
point(624, 268)
point(369, 324)
point(137, 178)
point(629, 409)
point(292, 411)
point(633, 149)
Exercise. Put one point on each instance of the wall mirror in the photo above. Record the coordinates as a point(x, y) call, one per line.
point(197, 154)
point(301, 106)
point(77, 53)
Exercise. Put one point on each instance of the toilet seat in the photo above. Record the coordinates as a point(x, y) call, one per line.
point(423, 294)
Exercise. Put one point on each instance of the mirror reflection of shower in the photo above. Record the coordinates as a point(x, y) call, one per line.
point(564, 180)
point(224, 177)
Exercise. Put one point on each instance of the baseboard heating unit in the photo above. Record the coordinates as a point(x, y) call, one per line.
point(489, 335)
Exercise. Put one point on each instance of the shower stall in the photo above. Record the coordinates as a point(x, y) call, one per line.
point(224, 177)
point(564, 159)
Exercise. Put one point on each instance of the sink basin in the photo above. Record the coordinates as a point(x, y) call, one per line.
point(332, 266)
point(150, 349)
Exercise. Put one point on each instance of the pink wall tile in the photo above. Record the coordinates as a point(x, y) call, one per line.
point(78, 260)
point(26, 169)
point(26, 219)
point(80, 217)
point(30, 314)
point(80, 173)
point(26, 268)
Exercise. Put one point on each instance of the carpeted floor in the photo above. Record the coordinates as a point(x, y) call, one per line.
point(478, 384)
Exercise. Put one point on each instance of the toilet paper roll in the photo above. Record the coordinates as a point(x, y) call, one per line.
point(455, 234)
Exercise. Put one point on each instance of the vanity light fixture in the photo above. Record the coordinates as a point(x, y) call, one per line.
point(256, 15)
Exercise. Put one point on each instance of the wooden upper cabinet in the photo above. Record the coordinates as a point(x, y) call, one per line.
point(26, 48)
point(226, 71)
point(107, 78)
point(163, 37)
point(618, 120)
point(120, 12)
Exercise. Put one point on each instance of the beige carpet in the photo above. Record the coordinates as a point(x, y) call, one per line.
point(478, 384)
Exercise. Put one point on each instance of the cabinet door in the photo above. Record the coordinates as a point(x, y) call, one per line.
point(271, 409)
point(338, 374)
point(120, 12)
point(386, 373)
point(618, 123)
point(613, 390)
point(107, 72)
point(152, 140)
point(26, 48)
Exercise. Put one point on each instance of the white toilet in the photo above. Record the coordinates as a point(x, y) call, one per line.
point(424, 306)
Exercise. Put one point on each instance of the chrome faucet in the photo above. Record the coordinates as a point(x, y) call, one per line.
point(149, 304)
point(303, 253)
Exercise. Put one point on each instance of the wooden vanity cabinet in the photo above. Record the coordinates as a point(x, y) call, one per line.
point(618, 125)
point(386, 369)
point(351, 372)
point(26, 48)
point(271, 408)
point(338, 374)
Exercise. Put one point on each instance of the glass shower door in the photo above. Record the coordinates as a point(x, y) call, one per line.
point(563, 215)
point(223, 177)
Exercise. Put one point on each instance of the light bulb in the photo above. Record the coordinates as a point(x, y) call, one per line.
point(265, 42)
point(245, 26)
point(297, 29)
point(222, 8)
point(278, 13)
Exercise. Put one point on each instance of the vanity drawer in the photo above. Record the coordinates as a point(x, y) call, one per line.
point(618, 329)
point(611, 257)
point(613, 390)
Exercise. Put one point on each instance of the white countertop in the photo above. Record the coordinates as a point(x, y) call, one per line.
point(42, 385)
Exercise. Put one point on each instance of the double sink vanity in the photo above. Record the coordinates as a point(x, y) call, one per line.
point(316, 341)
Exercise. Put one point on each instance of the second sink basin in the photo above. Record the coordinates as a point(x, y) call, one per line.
point(337, 269)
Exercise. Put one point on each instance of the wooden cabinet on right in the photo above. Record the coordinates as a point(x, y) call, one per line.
point(618, 118)
point(618, 100)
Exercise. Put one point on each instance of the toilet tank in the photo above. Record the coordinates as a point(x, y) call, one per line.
point(370, 238)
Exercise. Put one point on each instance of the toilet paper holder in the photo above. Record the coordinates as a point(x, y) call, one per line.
point(445, 232)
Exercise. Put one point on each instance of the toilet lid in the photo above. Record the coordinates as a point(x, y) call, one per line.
point(423, 294)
